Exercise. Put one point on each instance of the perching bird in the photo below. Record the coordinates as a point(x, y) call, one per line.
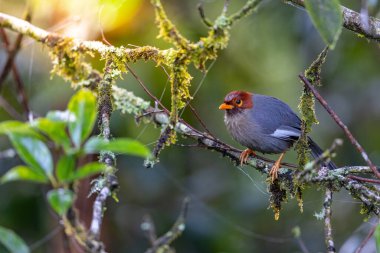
point(265, 124)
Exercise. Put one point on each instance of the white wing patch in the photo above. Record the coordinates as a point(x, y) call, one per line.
point(286, 133)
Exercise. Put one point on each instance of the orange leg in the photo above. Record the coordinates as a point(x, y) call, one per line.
point(276, 166)
point(245, 155)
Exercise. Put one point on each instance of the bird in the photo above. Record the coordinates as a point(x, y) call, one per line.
point(265, 124)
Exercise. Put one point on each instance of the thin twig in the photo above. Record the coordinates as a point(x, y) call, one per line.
point(302, 245)
point(199, 119)
point(16, 76)
point(329, 240)
point(12, 52)
point(46, 238)
point(366, 239)
point(203, 16)
point(341, 124)
point(146, 89)
point(9, 109)
point(363, 179)
point(163, 242)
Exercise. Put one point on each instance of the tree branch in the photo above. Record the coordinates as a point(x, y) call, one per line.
point(352, 21)
point(162, 243)
point(51, 39)
point(10, 65)
point(366, 239)
point(329, 240)
point(345, 129)
point(366, 193)
point(109, 182)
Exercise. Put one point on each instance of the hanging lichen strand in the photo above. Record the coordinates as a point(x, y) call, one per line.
point(307, 108)
point(186, 53)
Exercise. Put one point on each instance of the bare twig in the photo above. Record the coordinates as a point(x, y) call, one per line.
point(162, 244)
point(9, 109)
point(363, 179)
point(341, 124)
point(199, 119)
point(296, 231)
point(203, 16)
point(325, 156)
point(366, 239)
point(352, 21)
point(249, 7)
point(327, 217)
point(9, 65)
point(156, 100)
point(12, 52)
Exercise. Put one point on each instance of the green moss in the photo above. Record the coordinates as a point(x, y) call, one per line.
point(278, 195)
point(313, 73)
point(167, 30)
point(299, 198)
point(307, 108)
point(68, 62)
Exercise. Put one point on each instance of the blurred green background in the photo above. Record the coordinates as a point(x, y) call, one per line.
point(228, 211)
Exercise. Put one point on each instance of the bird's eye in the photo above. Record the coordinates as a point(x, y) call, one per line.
point(238, 102)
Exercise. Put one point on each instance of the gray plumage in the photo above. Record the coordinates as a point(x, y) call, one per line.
point(270, 126)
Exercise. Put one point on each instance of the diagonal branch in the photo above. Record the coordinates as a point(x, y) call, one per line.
point(162, 243)
point(12, 52)
point(352, 21)
point(10, 65)
point(340, 124)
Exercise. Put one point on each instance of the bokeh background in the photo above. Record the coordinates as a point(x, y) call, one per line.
point(229, 206)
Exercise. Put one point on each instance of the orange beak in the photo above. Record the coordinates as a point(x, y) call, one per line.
point(225, 106)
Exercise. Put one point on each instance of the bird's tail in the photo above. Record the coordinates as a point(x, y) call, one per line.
point(316, 151)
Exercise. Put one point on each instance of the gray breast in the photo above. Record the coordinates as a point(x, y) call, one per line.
point(250, 135)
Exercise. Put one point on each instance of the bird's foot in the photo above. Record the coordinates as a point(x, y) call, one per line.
point(273, 173)
point(245, 155)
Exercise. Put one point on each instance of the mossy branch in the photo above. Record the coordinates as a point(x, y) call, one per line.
point(352, 21)
point(106, 184)
point(307, 108)
point(339, 178)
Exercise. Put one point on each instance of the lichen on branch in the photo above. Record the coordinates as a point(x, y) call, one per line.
point(307, 108)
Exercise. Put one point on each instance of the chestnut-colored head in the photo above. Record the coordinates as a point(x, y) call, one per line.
point(236, 101)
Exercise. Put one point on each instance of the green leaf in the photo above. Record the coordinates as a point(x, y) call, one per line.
point(11, 126)
point(56, 131)
point(12, 242)
point(88, 170)
point(83, 106)
point(377, 237)
point(23, 173)
point(118, 145)
point(60, 116)
point(60, 200)
point(65, 167)
point(34, 153)
point(327, 17)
